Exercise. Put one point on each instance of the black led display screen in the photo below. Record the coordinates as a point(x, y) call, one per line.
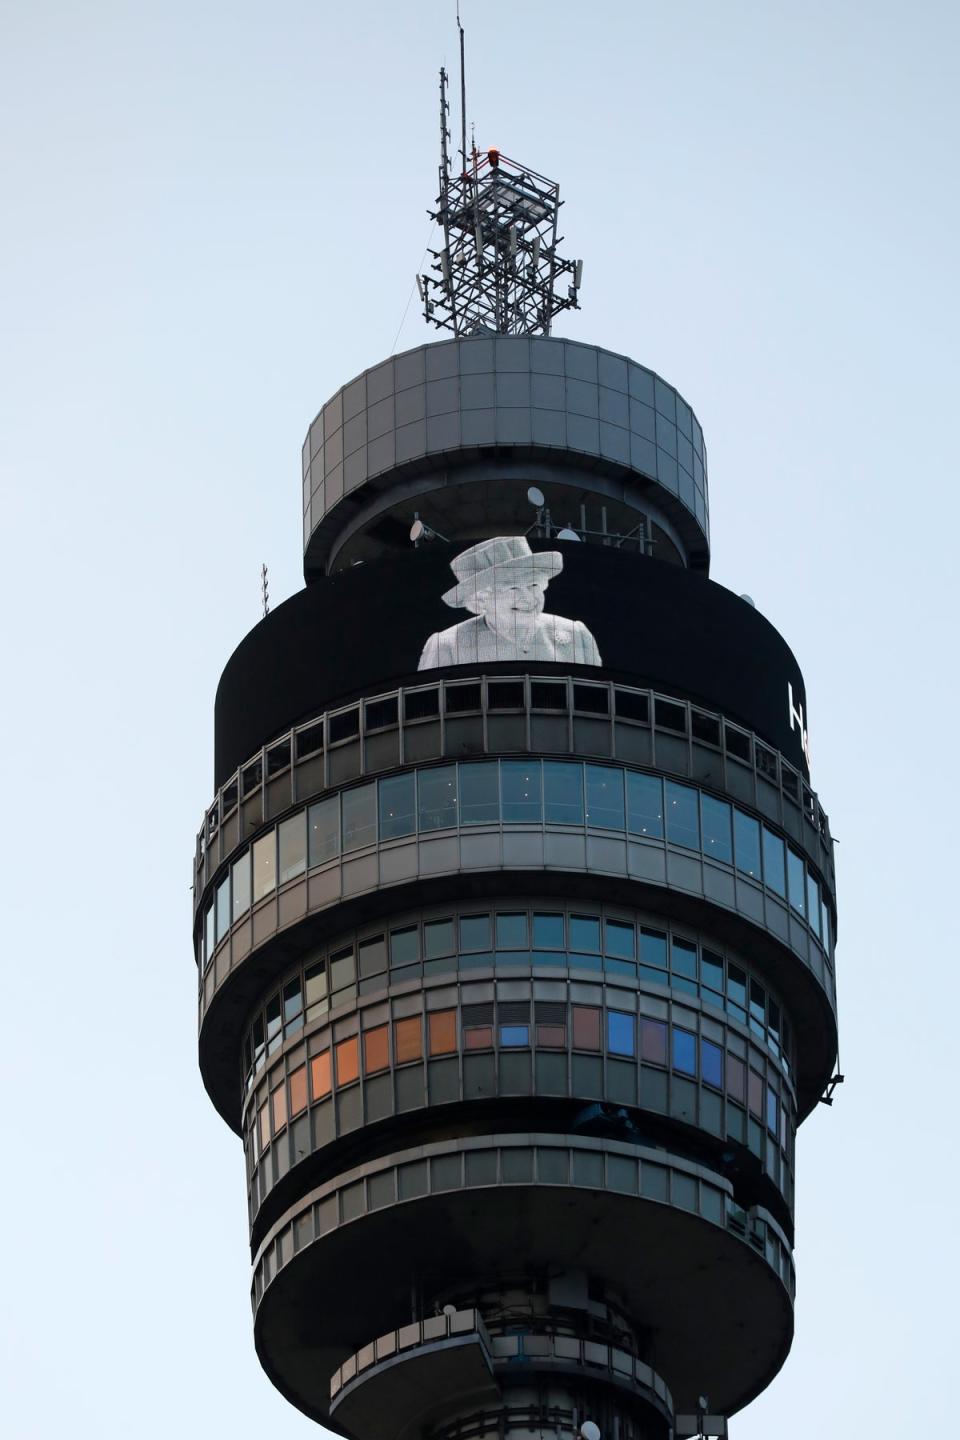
point(565, 608)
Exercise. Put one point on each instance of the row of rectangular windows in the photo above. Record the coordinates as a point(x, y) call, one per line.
point(509, 695)
point(490, 792)
point(652, 1041)
point(616, 945)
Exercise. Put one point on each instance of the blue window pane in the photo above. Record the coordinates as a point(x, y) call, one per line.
point(813, 904)
point(585, 934)
point(398, 806)
point(621, 1037)
point(512, 932)
point(620, 940)
point(684, 1052)
point(223, 907)
point(653, 948)
point(514, 1035)
point(474, 932)
point(746, 835)
point(711, 1064)
point(684, 958)
point(562, 793)
point(683, 820)
point(520, 787)
point(715, 815)
point(548, 932)
point(825, 926)
point(737, 986)
point(605, 797)
point(774, 872)
point(711, 969)
point(437, 797)
point(796, 882)
point(773, 1111)
point(645, 805)
point(479, 794)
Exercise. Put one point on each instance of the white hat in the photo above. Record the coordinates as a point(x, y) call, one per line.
point(491, 560)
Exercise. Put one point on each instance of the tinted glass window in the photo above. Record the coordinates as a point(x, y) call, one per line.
point(520, 784)
point(813, 904)
point(620, 940)
point(264, 865)
point(479, 795)
point(653, 1040)
point(711, 1062)
point(774, 874)
point(605, 797)
point(585, 934)
point(437, 794)
point(293, 847)
point(404, 946)
point(438, 939)
point(210, 931)
point(684, 1052)
point(653, 949)
point(746, 835)
point(796, 882)
point(223, 905)
point(512, 932)
point(683, 820)
point(620, 1033)
point(717, 841)
point(562, 793)
point(323, 830)
point(241, 886)
point(548, 932)
point(474, 932)
point(514, 1035)
point(645, 805)
point(398, 806)
point(359, 816)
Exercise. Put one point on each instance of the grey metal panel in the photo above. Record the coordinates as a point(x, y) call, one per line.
point(505, 391)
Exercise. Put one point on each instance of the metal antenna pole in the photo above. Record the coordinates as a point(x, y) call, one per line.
point(264, 591)
point(463, 96)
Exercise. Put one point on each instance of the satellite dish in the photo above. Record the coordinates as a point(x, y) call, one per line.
point(748, 600)
point(536, 496)
point(417, 531)
point(589, 1430)
point(568, 534)
point(449, 1309)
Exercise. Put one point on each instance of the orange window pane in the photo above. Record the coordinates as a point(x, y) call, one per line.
point(478, 1037)
point(376, 1050)
point(408, 1039)
point(298, 1090)
point(348, 1061)
point(278, 1099)
point(586, 1028)
point(320, 1082)
point(264, 1114)
point(554, 1037)
point(443, 1032)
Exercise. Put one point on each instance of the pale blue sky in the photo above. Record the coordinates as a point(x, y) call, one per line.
point(212, 214)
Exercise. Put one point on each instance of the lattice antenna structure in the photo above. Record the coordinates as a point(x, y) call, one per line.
point(498, 268)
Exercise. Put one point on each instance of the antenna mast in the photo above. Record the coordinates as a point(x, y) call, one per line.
point(499, 269)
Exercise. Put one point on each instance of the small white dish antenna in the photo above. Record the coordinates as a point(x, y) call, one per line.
point(417, 531)
point(449, 1309)
point(536, 497)
point(590, 1431)
point(568, 534)
point(749, 600)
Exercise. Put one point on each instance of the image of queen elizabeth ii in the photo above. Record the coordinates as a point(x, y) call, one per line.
point(503, 582)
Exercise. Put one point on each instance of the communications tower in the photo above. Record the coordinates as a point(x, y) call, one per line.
point(514, 907)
